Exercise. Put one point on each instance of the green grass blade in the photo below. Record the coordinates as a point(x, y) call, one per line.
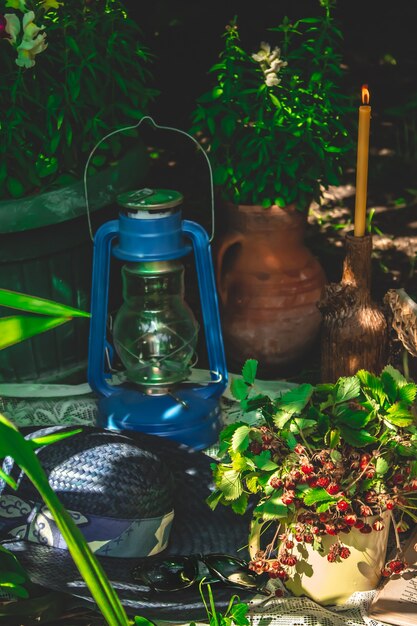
point(46, 440)
point(33, 304)
point(20, 327)
point(14, 444)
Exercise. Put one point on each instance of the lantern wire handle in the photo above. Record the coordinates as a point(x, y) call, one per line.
point(147, 118)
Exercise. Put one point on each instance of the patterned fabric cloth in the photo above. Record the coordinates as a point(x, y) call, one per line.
point(107, 536)
point(46, 405)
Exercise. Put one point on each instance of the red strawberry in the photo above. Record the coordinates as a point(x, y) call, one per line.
point(378, 525)
point(366, 529)
point(333, 488)
point(342, 505)
point(330, 529)
point(365, 458)
point(323, 481)
point(299, 449)
point(344, 552)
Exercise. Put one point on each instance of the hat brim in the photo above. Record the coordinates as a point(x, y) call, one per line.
point(196, 530)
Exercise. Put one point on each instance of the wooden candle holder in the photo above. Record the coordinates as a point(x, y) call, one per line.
point(354, 330)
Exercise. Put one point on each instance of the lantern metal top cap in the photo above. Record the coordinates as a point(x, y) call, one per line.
point(150, 199)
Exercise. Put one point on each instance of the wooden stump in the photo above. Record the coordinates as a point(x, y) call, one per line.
point(354, 330)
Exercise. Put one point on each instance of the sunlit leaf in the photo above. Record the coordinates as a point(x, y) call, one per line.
point(230, 484)
point(8, 479)
point(18, 328)
point(399, 415)
point(318, 494)
point(33, 304)
point(294, 401)
point(273, 508)
point(240, 439)
point(46, 440)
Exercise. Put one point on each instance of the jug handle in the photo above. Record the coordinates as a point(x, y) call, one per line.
point(230, 240)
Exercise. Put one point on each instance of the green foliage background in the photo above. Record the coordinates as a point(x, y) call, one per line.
point(279, 144)
point(92, 78)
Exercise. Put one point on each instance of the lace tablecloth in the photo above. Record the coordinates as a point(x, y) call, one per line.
point(44, 405)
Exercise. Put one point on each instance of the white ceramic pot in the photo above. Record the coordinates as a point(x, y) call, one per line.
point(333, 583)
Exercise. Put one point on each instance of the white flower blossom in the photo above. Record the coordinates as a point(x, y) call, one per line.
point(272, 79)
point(12, 26)
point(263, 54)
point(33, 41)
point(270, 63)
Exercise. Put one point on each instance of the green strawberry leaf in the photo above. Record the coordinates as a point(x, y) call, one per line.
point(352, 418)
point(252, 483)
point(281, 418)
point(324, 506)
point(289, 439)
point(346, 389)
point(356, 438)
point(239, 389)
point(263, 461)
point(399, 415)
point(214, 499)
point(301, 424)
point(381, 466)
point(407, 393)
point(317, 494)
point(240, 505)
point(273, 508)
point(295, 400)
point(249, 371)
point(230, 484)
point(240, 439)
point(395, 375)
point(390, 386)
point(373, 384)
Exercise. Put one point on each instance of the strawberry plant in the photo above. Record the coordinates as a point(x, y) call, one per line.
point(321, 461)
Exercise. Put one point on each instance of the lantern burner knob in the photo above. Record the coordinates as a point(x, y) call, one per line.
point(149, 203)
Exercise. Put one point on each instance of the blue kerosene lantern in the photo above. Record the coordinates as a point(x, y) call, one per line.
point(155, 332)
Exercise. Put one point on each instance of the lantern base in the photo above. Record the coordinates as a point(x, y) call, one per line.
point(194, 420)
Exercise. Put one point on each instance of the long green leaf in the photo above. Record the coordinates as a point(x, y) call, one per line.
point(17, 328)
point(12, 442)
point(33, 304)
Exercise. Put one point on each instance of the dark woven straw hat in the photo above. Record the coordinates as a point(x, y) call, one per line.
point(135, 497)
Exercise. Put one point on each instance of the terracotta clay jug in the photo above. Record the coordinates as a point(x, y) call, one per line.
point(269, 284)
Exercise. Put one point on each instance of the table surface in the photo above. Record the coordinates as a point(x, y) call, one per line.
point(45, 405)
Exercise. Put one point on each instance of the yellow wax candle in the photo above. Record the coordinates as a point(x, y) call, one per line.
point(362, 164)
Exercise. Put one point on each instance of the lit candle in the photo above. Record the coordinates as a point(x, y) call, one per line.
point(362, 164)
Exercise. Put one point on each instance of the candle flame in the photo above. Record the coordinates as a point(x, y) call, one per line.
point(365, 94)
